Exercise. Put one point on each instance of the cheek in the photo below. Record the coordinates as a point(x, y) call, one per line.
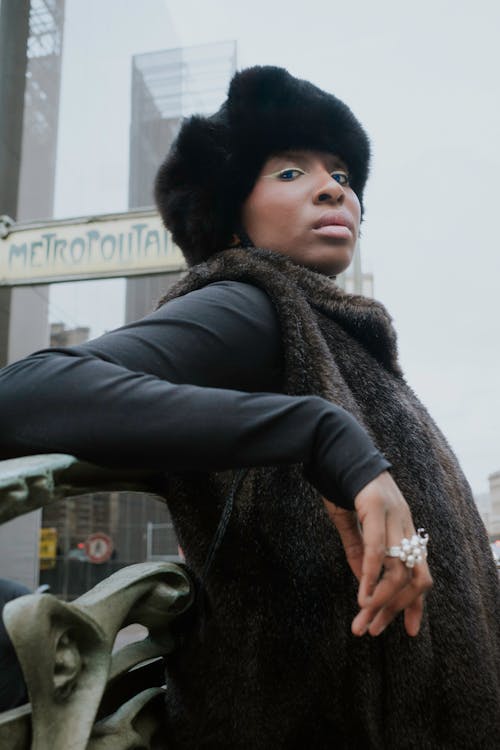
point(261, 216)
point(267, 214)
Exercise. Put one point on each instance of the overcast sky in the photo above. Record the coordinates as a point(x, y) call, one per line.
point(423, 79)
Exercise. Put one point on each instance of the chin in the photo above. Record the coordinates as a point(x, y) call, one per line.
point(329, 261)
point(331, 264)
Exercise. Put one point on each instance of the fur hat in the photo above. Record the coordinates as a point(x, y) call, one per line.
point(214, 162)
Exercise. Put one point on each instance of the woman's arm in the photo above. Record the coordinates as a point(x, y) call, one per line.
point(189, 387)
point(194, 386)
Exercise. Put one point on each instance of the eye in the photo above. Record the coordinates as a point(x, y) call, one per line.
point(290, 174)
point(341, 177)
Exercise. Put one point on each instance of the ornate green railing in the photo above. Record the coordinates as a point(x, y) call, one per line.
point(84, 696)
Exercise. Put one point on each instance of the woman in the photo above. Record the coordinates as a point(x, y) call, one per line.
point(270, 365)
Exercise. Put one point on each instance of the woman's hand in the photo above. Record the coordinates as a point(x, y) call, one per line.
point(387, 586)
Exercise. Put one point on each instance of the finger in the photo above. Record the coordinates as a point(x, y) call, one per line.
point(350, 536)
point(398, 577)
point(413, 616)
point(374, 538)
point(410, 599)
point(395, 579)
point(414, 613)
point(395, 575)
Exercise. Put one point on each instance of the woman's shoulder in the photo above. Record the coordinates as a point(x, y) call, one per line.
point(241, 299)
point(230, 290)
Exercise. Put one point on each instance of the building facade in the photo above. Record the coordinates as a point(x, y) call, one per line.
point(31, 36)
point(167, 86)
point(494, 521)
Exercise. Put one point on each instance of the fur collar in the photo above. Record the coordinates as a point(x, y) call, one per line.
point(364, 319)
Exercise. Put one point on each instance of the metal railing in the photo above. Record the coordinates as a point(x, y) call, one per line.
point(82, 693)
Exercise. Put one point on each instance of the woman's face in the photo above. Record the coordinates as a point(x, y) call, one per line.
point(302, 206)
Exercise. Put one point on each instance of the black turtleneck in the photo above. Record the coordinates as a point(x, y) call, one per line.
point(196, 385)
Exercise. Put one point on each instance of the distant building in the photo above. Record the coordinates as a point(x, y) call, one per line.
point(494, 530)
point(24, 310)
point(488, 505)
point(483, 504)
point(27, 191)
point(167, 86)
point(41, 111)
point(140, 528)
point(354, 281)
point(62, 336)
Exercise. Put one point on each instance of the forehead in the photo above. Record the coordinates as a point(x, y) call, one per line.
point(305, 157)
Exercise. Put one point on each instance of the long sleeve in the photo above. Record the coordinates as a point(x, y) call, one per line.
point(193, 386)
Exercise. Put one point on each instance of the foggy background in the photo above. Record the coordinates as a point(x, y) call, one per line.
point(423, 80)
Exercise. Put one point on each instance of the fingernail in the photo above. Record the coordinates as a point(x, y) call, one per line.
point(359, 627)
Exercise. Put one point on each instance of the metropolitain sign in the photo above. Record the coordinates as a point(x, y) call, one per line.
point(127, 244)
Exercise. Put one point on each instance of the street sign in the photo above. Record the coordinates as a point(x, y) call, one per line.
point(98, 547)
point(48, 548)
point(93, 247)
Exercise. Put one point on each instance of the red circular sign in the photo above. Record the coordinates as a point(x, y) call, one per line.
point(98, 547)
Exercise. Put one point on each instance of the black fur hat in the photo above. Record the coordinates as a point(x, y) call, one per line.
point(214, 162)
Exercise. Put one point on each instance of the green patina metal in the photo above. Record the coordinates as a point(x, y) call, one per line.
point(82, 695)
point(32, 482)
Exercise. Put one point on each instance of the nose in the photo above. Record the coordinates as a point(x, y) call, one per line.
point(328, 190)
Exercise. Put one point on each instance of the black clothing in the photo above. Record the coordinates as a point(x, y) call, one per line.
point(276, 664)
point(12, 686)
point(193, 386)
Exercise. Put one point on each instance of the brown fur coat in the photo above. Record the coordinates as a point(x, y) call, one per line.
point(276, 665)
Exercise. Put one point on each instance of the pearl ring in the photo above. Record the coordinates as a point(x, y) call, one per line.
point(410, 551)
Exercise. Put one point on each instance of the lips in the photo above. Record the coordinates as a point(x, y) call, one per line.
point(335, 219)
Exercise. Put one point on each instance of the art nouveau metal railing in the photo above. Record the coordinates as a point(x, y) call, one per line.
point(82, 695)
